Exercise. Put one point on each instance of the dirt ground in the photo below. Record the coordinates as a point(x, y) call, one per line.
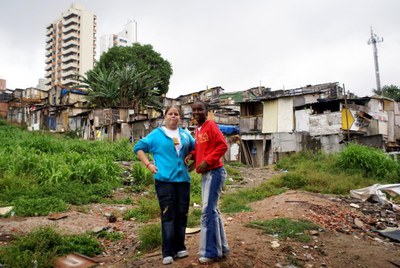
point(340, 242)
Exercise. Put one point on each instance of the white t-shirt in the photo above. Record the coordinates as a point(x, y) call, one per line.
point(174, 135)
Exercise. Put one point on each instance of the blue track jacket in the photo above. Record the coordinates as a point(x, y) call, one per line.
point(171, 167)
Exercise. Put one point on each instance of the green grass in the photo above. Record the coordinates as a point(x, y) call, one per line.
point(43, 245)
point(45, 170)
point(39, 206)
point(150, 237)
point(147, 209)
point(42, 173)
point(370, 162)
point(194, 217)
point(112, 236)
point(238, 201)
point(353, 168)
point(286, 228)
point(233, 173)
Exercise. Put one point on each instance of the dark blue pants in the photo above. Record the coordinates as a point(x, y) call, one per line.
point(173, 198)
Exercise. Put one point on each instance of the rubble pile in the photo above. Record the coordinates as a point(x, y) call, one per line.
point(352, 216)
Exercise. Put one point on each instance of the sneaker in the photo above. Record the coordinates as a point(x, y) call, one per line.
point(205, 260)
point(182, 254)
point(168, 260)
point(225, 255)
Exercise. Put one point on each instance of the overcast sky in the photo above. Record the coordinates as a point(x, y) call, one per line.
point(235, 44)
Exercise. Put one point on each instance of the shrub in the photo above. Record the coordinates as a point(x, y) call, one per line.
point(112, 236)
point(39, 206)
point(43, 245)
point(150, 237)
point(293, 181)
point(147, 209)
point(369, 161)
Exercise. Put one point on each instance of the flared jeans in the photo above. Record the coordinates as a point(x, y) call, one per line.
point(213, 243)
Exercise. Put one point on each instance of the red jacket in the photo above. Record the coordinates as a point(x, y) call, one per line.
point(210, 145)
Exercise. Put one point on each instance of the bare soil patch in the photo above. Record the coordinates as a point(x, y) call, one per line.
point(339, 243)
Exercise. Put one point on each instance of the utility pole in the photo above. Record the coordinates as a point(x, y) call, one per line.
point(373, 40)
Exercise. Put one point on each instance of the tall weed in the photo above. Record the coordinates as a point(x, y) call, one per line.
point(371, 162)
point(150, 237)
point(35, 165)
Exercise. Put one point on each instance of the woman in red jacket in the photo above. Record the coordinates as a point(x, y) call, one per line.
point(210, 146)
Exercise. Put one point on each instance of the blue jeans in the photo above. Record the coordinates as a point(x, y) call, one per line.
point(213, 243)
point(173, 198)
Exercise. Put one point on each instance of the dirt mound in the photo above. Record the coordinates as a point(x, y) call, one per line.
point(328, 248)
point(345, 239)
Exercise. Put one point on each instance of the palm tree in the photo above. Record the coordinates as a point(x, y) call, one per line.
point(126, 76)
point(103, 87)
point(144, 92)
point(122, 86)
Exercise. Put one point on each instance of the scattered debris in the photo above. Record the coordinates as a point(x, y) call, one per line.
point(196, 205)
point(376, 193)
point(5, 210)
point(354, 205)
point(74, 260)
point(391, 233)
point(363, 219)
point(358, 223)
point(192, 230)
point(275, 244)
point(97, 230)
point(111, 218)
point(57, 216)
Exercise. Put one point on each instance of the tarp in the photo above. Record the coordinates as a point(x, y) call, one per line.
point(64, 91)
point(376, 192)
point(392, 233)
point(229, 129)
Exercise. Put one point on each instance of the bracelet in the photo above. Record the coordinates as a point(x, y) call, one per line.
point(148, 164)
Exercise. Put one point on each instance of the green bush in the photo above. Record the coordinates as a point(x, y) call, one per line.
point(142, 177)
point(52, 170)
point(39, 206)
point(293, 181)
point(371, 162)
point(148, 208)
point(43, 245)
point(150, 237)
point(35, 165)
point(83, 243)
point(91, 170)
point(112, 236)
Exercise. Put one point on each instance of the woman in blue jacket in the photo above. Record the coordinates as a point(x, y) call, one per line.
point(169, 145)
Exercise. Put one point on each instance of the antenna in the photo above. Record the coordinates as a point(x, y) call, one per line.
point(373, 40)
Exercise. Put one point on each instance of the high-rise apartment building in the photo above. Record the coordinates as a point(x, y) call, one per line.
point(70, 47)
point(2, 84)
point(126, 37)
